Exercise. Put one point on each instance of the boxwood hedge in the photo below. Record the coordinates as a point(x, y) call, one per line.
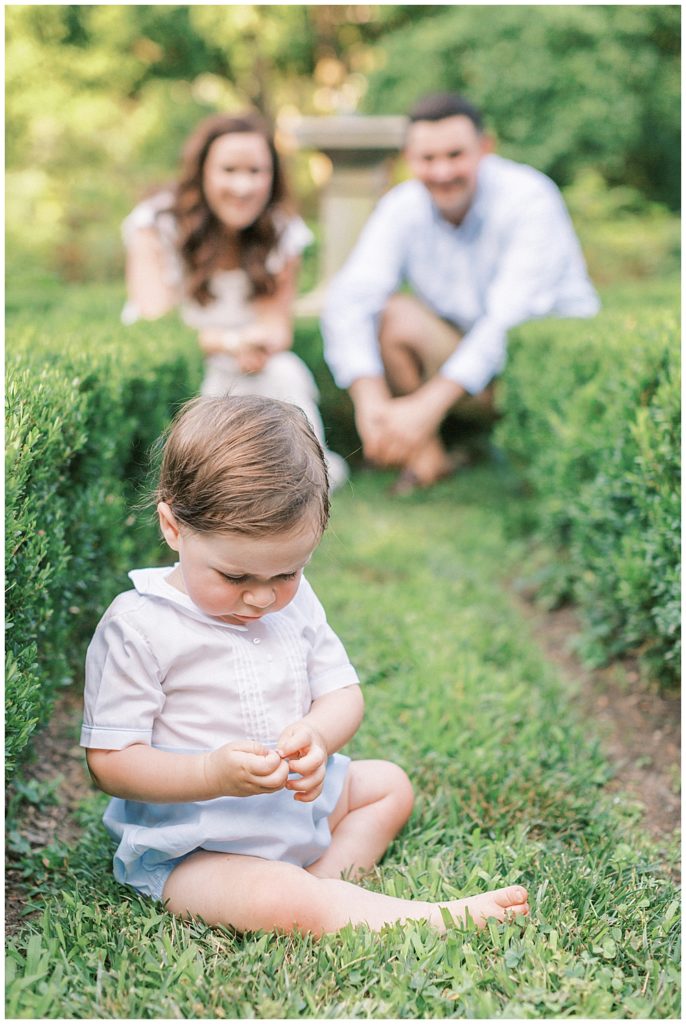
point(592, 423)
point(85, 399)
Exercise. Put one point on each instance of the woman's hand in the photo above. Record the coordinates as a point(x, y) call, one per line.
point(252, 346)
point(305, 751)
point(257, 344)
point(245, 769)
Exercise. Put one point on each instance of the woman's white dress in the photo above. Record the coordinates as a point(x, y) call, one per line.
point(285, 376)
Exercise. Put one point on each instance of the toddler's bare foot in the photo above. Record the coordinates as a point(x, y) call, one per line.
point(499, 903)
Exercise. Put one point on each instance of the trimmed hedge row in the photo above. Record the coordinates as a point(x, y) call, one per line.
point(85, 400)
point(592, 423)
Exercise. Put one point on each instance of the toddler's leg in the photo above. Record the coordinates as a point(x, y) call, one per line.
point(251, 894)
point(374, 805)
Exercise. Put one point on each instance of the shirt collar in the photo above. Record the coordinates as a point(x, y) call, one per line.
point(153, 583)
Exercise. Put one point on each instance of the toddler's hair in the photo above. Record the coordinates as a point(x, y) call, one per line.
point(243, 464)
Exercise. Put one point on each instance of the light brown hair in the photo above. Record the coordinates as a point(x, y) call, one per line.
point(243, 464)
point(201, 236)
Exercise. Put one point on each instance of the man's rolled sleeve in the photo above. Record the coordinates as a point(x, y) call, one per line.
point(479, 357)
point(523, 287)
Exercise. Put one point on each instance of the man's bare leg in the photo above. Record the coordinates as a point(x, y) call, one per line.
point(415, 343)
point(252, 894)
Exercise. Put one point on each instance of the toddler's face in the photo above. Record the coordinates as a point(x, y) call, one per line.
point(235, 578)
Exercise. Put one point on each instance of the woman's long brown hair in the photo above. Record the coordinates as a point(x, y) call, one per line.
point(201, 238)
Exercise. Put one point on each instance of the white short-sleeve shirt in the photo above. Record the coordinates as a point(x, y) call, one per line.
point(161, 672)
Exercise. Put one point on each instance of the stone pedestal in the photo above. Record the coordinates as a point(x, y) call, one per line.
point(360, 149)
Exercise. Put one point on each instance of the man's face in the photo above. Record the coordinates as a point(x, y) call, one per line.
point(445, 156)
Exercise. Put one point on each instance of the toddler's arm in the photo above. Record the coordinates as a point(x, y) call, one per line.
point(140, 772)
point(331, 721)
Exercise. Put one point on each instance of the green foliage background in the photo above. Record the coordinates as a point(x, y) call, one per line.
point(564, 87)
point(83, 408)
point(100, 97)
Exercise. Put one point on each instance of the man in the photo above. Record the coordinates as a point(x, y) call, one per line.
point(484, 243)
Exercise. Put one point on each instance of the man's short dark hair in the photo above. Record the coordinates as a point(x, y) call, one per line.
point(439, 105)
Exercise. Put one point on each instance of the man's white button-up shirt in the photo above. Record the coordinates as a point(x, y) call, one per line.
point(514, 257)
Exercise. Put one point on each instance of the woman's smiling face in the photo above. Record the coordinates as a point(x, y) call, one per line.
point(237, 178)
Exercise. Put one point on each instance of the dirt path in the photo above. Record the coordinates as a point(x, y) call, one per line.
point(640, 730)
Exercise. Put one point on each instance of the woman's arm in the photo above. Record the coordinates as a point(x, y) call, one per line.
point(140, 772)
point(146, 283)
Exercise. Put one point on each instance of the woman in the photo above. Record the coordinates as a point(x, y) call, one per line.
point(224, 247)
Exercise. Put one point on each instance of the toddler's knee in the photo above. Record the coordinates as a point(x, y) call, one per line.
point(286, 900)
point(400, 790)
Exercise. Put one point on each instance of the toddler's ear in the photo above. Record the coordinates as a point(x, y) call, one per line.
point(168, 525)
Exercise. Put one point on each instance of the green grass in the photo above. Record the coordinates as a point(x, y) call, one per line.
point(509, 785)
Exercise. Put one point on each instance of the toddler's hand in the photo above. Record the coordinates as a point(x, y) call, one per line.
point(245, 769)
point(306, 754)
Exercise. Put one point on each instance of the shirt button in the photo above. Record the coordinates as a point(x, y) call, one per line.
point(256, 640)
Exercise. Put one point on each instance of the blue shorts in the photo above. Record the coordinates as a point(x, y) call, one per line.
point(156, 838)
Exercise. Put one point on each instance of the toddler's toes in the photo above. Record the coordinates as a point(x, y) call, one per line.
point(513, 899)
point(516, 910)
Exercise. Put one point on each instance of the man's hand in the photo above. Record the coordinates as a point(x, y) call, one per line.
point(370, 397)
point(407, 423)
point(394, 429)
point(305, 751)
point(370, 421)
point(245, 769)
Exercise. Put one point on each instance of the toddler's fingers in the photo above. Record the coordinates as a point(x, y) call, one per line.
point(292, 740)
point(313, 759)
point(262, 763)
point(249, 747)
point(307, 782)
point(307, 798)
